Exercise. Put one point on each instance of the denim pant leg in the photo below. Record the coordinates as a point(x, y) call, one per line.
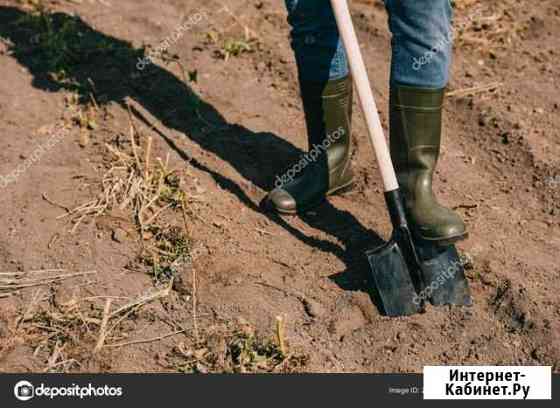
point(422, 42)
point(317, 46)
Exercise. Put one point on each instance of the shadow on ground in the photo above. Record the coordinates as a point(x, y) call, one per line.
point(62, 52)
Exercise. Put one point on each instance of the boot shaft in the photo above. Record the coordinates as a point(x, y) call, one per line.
point(328, 116)
point(416, 124)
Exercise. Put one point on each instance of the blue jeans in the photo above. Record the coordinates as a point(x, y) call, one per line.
point(421, 42)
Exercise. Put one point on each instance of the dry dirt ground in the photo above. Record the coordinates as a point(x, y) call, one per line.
point(198, 286)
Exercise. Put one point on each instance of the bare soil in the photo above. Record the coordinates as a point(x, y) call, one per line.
point(223, 102)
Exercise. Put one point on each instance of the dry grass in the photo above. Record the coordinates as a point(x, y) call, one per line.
point(133, 183)
point(66, 334)
point(146, 188)
point(235, 348)
point(11, 283)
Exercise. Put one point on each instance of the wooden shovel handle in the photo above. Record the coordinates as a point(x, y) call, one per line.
point(365, 95)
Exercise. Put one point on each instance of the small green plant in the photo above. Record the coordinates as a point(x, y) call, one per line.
point(242, 352)
point(61, 44)
point(170, 249)
point(51, 39)
point(249, 353)
point(234, 48)
point(171, 192)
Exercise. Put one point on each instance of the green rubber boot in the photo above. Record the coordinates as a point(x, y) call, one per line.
point(416, 122)
point(325, 168)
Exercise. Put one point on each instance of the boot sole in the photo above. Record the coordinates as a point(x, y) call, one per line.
point(446, 241)
point(335, 191)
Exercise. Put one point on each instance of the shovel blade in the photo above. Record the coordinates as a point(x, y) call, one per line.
point(393, 281)
point(443, 275)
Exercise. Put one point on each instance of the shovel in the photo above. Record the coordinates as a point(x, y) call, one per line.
point(406, 271)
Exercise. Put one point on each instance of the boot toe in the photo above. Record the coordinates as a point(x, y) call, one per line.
point(282, 201)
point(446, 228)
point(454, 227)
point(451, 231)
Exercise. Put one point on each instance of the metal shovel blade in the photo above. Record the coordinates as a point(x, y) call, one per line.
point(443, 275)
point(393, 280)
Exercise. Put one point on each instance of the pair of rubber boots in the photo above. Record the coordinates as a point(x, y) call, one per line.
point(415, 140)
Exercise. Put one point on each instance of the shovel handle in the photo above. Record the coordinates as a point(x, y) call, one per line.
point(365, 95)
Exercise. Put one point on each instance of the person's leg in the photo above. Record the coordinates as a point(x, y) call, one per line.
point(326, 91)
point(421, 57)
point(422, 42)
point(317, 46)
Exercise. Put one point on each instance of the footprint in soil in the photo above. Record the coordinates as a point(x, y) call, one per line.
point(105, 66)
point(511, 306)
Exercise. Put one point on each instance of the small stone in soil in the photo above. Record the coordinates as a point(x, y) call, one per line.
point(119, 235)
point(313, 308)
